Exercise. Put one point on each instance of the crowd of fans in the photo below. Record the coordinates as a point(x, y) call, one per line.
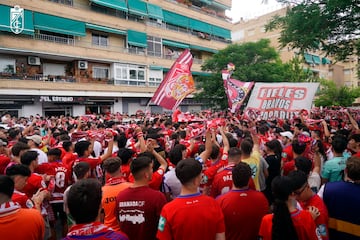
point(210, 175)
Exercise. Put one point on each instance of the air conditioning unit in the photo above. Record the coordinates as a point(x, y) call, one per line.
point(34, 60)
point(82, 64)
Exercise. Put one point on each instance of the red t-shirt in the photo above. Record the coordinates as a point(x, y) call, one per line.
point(322, 220)
point(4, 161)
point(193, 216)
point(62, 177)
point(303, 223)
point(22, 199)
point(222, 182)
point(243, 211)
point(138, 211)
point(34, 183)
point(69, 158)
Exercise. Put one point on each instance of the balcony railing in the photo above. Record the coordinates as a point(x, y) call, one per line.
point(55, 39)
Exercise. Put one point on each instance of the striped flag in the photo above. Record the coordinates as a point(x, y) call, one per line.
point(236, 90)
point(177, 84)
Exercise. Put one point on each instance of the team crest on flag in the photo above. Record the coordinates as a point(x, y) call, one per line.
point(16, 19)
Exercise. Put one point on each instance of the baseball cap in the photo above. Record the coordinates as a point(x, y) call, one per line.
point(36, 138)
point(287, 134)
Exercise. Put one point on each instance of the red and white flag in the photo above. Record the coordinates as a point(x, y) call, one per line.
point(177, 84)
point(236, 90)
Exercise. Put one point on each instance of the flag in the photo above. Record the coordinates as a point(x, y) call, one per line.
point(177, 84)
point(236, 90)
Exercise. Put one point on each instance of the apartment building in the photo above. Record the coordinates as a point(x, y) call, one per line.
point(342, 73)
point(96, 56)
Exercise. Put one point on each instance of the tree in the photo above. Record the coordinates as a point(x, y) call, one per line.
point(331, 95)
point(254, 61)
point(331, 26)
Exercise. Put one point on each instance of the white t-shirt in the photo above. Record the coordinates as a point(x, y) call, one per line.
point(42, 157)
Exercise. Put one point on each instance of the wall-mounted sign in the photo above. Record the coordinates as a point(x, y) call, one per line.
point(16, 19)
point(57, 99)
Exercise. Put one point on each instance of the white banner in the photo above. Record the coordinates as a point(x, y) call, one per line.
point(281, 100)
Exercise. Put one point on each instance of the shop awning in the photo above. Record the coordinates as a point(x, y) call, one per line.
point(155, 67)
point(308, 58)
point(200, 26)
point(155, 11)
point(205, 74)
point(60, 25)
point(221, 32)
point(135, 38)
point(105, 29)
point(137, 7)
point(316, 59)
point(176, 19)
point(28, 27)
point(325, 61)
point(220, 5)
point(203, 48)
point(114, 4)
point(174, 44)
point(208, 2)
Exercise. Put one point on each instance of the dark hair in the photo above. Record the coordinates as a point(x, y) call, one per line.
point(353, 168)
point(18, 147)
point(234, 152)
point(64, 137)
point(84, 200)
point(246, 146)
point(80, 169)
point(356, 137)
point(215, 150)
point(298, 178)
point(18, 169)
point(282, 227)
point(121, 140)
point(303, 164)
point(111, 165)
point(339, 144)
point(66, 145)
point(12, 132)
point(54, 152)
point(321, 147)
point(233, 142)
point(28, 157)
point(275, 145)
point(298, 147)
point(175, 154)
point(241, 174)
point(125, 155)
point(6, 185)
point(187, 169)
point(81, 147)
point(139, 164)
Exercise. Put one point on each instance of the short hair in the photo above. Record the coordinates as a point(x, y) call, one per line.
point(54, 152)
point(215, 150)
point(356, 137)
point(241, 174)
point(80, 169)
point(339, 144)
point(18, 147)
point(234, 152)
point(139, 164)
point(18, 169)
point(66, 145)
point(84, 200)
point(125, 155)
point(303, 164)
point(13, 132)
point(298, 179)
point(175, 154)
point(28, 157)
point(188, 169)
point(298, 147)
point(111, 165)
point(353, 168)
point(246, 146)
point(6, 185)
point(81, 147)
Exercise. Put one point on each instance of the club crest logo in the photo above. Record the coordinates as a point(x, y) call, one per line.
point(16, 19)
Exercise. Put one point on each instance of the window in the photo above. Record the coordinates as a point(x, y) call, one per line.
point(251, 32)
point(100, 72)
point(99, 40)
point(155, 77)
point(154, 46)
point(347, 71)
point(127, 74)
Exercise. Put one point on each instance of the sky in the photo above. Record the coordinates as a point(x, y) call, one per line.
point(248, 9)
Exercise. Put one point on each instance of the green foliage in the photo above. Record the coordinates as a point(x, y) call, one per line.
point(331, 95)
point(328, 25)
point(254, 61)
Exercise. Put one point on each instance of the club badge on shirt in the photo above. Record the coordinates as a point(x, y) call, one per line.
point(162, 222)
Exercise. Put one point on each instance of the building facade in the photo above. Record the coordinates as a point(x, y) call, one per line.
point(96, 56)
point(342, 73)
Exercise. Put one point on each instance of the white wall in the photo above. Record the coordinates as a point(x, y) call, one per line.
point(118, 106)
point(34, 109)
point(78, 110)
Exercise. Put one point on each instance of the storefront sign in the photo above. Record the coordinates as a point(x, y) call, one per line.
point(56, 99)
